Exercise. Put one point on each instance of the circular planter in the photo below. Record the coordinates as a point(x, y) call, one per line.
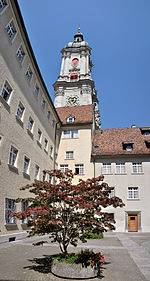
point(72, 270)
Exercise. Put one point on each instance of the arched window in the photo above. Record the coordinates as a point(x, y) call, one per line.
point(70, 119)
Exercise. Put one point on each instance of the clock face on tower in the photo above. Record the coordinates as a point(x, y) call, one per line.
point(72, 100)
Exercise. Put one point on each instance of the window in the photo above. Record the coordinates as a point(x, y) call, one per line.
point(6, 91)
point(53, 123)
point(20, 110)
point(11, 30)
point(29, 74)
point(127, 146)
point(44, 176)
point(145, 131)
point(56, 156)
point(147, 144)
point(112, 192)
point(43, 104)
point(39, 135)
point(24, 205)
point(120, 168)
point(3, 4)
point(45, 144)
point(69, 154)
point(70, 134)
point(50, 179)
point(137, 168)
point(70, 119)
point(30, 124)
point(79, 169)
point(133, 193)
point(9, 208)
point(48, 114)
point(20, 54)
point(74, 76)
point(26, 165)
point(51, 151)
point(36, 90)
point(106, 168)
point(63, 168)
point(13, 156)
point(37, 172)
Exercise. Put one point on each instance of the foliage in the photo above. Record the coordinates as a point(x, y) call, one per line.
point(86, 257)
point(67, 211)
point(91, 235)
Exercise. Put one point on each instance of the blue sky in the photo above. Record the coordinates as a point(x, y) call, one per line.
point(118, 33)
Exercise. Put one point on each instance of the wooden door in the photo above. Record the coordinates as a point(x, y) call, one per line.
point(132, 223)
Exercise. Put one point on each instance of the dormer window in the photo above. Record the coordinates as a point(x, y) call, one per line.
point(145, 131)
point(128, 146)
point(70, 119)
point(147, 143)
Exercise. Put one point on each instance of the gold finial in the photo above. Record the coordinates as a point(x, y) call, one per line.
point(79, 28)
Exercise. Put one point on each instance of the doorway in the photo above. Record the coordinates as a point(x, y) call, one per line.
point(132, 222)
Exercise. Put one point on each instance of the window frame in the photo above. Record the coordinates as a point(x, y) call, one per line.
point(36, 172)
point(131, 194)
point(3, 8)
point(26, 171)
point(19, 111)
point(36, 89)
point(13, 155)
point(9, 219)
point(4, 88)
point(107, 170)
point(13, 36)
point(63, 168)
point(73, 134)
point(81, 169)
point(69, 155)
point(30, 123)
point(29, 74)
point(120, 168)
point(21, 54)
point(137, 167)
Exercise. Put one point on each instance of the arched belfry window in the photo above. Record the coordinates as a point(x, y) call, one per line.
point(70, 119)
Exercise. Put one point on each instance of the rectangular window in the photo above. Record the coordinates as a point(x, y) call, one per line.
point(51, 151)
point(50, 179)
point(30, 124)
point(43, 104)
point(36, 90)
point(53, 123)
point(20, 54)
point(137, 168)
point(79, 169)
point(11, 30)
point(48, 114)
point(10, 207)
point(24, 205)
point(70, 134)
point(39, 135)
point(63, 168)
point(106, 168)
point(37, 168)
point(127, 146)
point(3, 4)
point(13, 156)
point(45, 144)
point(112, 192)
point(6, 91)
point(44, 176)
point(120, 168)
point(29, 74)
point(133, 193)
point(20, 110)
point(69, 154)
point(26, 165)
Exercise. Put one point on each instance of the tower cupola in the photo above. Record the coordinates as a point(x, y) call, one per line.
point(78, 37)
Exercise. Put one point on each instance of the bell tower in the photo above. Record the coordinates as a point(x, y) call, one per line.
point(74, 86)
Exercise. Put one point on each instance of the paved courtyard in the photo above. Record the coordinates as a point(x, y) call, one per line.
point(127, 256)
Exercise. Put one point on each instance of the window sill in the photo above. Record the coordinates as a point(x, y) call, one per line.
point(137, 173)
point(30, 134)
point(13, 169)
point(120, 173)
point(27, 176)
point(69, 159)
point(7, 106)
point(107, 173)
point(133, 199)
point(51, 157)
point(45, 151)
point(19, 121)
point(39, 144)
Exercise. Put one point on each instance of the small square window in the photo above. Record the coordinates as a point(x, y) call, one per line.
point(69, 154)
point(20, 110)
point(20, 54)
point(36, 90)
point(79, 169)
point(13, 156)
point(3, 4)
point(63, 168)
point(137, 168)
point(6, 91)
point(30, 124)
point(26, 165)
point(133, 193)
point(11, 30)
point(29, 74)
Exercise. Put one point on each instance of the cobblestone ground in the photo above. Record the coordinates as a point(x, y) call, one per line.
point(127, 256)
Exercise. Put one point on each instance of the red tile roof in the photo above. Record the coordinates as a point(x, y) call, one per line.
point(82, 113)
point(110, 141)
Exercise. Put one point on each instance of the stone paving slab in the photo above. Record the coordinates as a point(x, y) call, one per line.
point(21, 261)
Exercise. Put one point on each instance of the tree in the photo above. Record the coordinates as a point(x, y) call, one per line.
point(67, 211)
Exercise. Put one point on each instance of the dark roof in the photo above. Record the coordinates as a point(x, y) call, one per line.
point(82, 113)
point(110, 141)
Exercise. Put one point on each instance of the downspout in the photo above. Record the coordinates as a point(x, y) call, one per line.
point(55, 145)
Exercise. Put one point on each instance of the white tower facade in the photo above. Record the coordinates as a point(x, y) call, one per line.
point(74, 86)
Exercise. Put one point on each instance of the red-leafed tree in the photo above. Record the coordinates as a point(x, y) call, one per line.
point(67, 211)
